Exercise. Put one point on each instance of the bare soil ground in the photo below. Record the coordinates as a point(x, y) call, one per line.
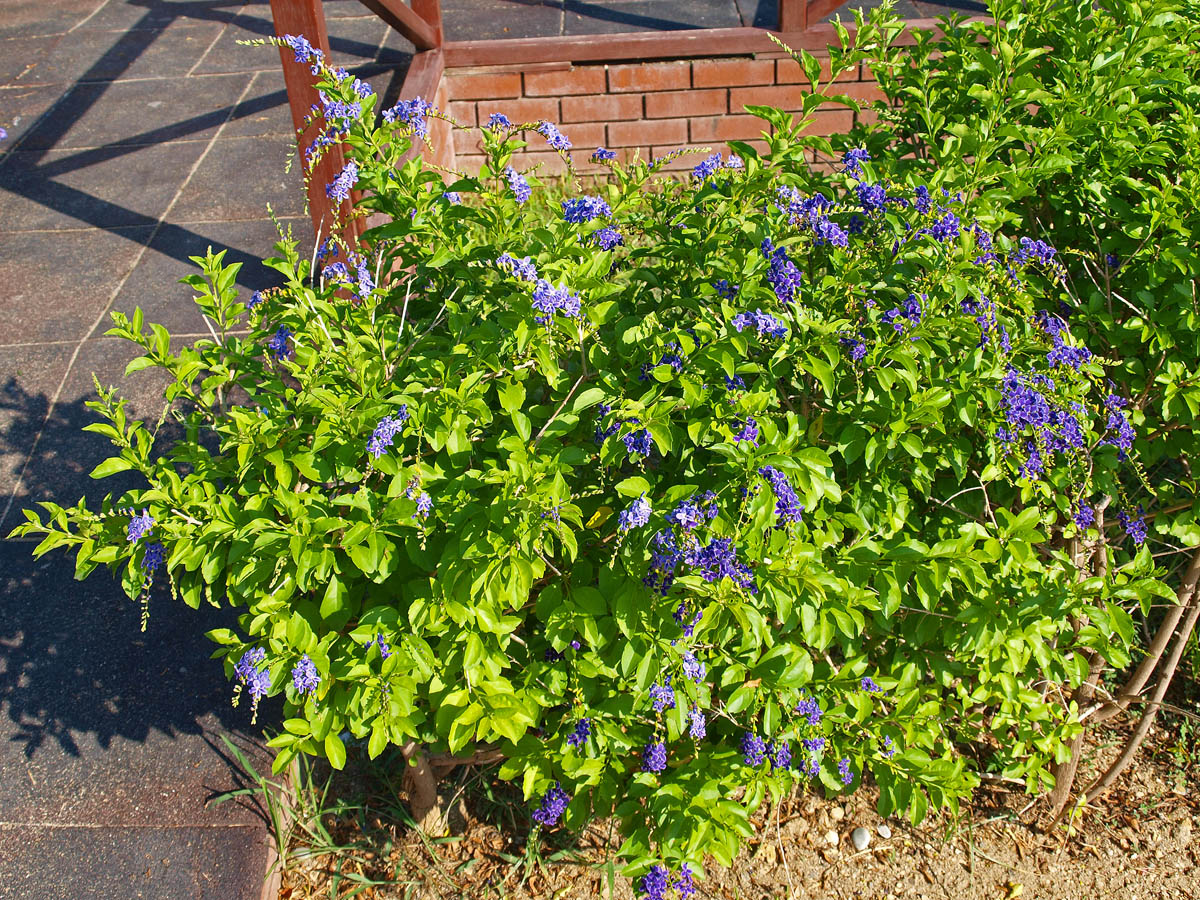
point(1136, 843)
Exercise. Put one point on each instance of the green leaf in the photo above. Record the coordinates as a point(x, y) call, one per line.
point(335, 751)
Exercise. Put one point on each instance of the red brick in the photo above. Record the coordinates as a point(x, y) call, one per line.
point(602, 108)
point(831, 121)
point(711, 102)
point(586, 136)
point(527, 109)
point(467, 141)
point(470, 165)
point(784, 96)
point(732, 72)
point(788, 71)
point(583, 80)
point(669, 76)
point(462, 111)
point(727, 128)
point(483, 86)
point(684, 161)
point(548, 163)
point(639, 134)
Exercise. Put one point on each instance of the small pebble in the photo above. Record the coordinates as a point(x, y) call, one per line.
point(831, 837)
point(861, 838)
point(884, 831)
point(838, 813)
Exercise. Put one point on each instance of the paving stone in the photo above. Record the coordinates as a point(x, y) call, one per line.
point(154, 285)
point(20, 55)
point(23, 108)
point(104, 724)
point(149, 111)
point(238, 178)
point(615, 16)
point(759, 13)
point(484, 20)
point(352, 41)
point(28, 18)
point(263, 111)
point(29, 376)
point(140, 15)
point(104, 56)
point(57, 284)
point(132, 863)
point(903, 8)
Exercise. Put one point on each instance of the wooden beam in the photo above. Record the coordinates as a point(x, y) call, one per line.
point(819, 9)
point(305, 17)
point(645, 45)
point(793, 15)
point(431, 12)
point(406, 21)
point(423, 76)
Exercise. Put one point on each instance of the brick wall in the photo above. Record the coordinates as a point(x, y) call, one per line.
point(649, 108)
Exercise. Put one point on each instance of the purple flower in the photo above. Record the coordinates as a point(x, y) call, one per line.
point(278, 345)
point(386, 431)
point(411, 113)
point(783, 276)
point(683, 884)
point(498, 120)
point(637, 515)
point(1085, 517)
point(844, 770)
point(452, 197)
point(693, 669)
point(637, 442)
point(607, 238)
point(519, 268)
point(788, 508)
point(748, 432)
point(734, 162)
point(384, 650)
point(339, 189)
point(579, 210)
point(1134, 525)
point(654, 756)
point(717, 560)
point(852, 161)
point(305, 52)
point(654, 883)
point(140, 526)
point(764, 323)
point(603, 155)
point(1030, 251)
point(923, 202)
point(900, 319)
point(706, 168)
point(251, 672)
point(548, 300)
point(946, 228)
point(868, 684)
point(889, 748)
point(725, 289)
point(687, 515)
point(1123, 433)
point(424, 506)
point(1112, 261)
point(856, 346)
point(754, 749)
point(153, 558)
point(872, 197)
point(780, 754)
point(553, 805)
point(696, 725)
point(555, 138)
point(304, 676)
point(251, 659)
point(583, 729)
point(518, 185)
point(663, 695)
point(255, 299)
point(809, 707)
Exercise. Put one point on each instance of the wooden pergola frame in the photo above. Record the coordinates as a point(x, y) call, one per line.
point(799, 26)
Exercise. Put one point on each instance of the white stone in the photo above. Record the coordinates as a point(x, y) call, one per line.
point(831, 837)
point(838, 813)
point(884, 831)
point(861, 838)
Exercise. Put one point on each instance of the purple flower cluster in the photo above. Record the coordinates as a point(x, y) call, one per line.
point(1118, 423)
point(153, 557)
point(788, 508)
point(654, 756)
point(872, 197)
point(693, 669)
point(748, 431)
point(889, 747)
point(780, 754)
point(1134, 525)
point(844, 770)
point(424, 506)
point(339, 189)
point(655, 883)
point(411, 113)
point(548, 300)
point(518, 185)
point(922, 201)
point(635, 516)
point(984, 312)
point(717, 560)
point(555, 138)
point(518, 268)
point(754, 749)
point(662, 695)
point(782, 274)
point(140, 526)
point(764, 323)
point(1085, 517)
point(707, 168)
point(811, 212)
point(945, 229)
point(856, 345)
point(852, 161)
point(496, 121)
point(868, 684)
point(696, 724)
point(607, 238)
point(304, 676)
point(305, 52)
point(725, 289)
point(603, 154)
point(1030, 251)
point(278, 345)
point(251, 672)
point(903, 318)
point(578, 737)
point(553, 805)
point(579, 210)
point(385, 649)
point(638, 442)
point(809, 708)
point(386, 431)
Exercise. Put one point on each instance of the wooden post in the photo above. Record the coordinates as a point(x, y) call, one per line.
point(305, 17)
point(431, 12)
point(793, 15)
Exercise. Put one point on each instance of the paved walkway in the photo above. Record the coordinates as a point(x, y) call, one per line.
point(140, 132)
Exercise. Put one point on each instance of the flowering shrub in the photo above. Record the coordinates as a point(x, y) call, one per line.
point(1076, 123)
point(679, 494)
